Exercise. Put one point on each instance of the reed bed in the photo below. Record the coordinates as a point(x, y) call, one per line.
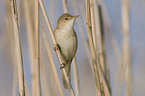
point(90, 29)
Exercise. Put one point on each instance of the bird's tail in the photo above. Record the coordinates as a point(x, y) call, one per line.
point(68, 72)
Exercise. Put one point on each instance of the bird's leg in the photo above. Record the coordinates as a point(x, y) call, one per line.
point(56, 47)
point(62, 66)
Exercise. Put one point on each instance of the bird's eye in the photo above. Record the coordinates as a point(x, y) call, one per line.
point(66, 18)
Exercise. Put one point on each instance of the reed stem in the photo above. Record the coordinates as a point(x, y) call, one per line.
point(18, 49)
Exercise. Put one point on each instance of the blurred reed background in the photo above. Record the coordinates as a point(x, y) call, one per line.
point(110, 56)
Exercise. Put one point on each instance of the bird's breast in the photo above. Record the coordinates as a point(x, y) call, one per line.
point(67, 40)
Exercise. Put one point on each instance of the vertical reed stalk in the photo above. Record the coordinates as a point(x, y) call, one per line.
point(102, 49)
point(37, 55)
point(126, 44)
point(30, 34)
point(102, 60)
point(65, 8)
point(52, 83)
point(18, 49)
point(27, 92)
point(99, 33)
point(92, 49)
point(14, 81)
point(96, 47)
point(117, 52)
point(93, 25)
point(45, 85)
point(10, 36)
point(76, 77)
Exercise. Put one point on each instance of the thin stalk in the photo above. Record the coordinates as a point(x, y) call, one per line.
point(117, 52)
point(10, 42)
point(96, 74)
point(106, 87)
point(126, 44)
point(45, 87)
point(93, 24)
point(98, 71)
point(65, 8)
point(107, 23)
point(99, 33)
point(102, 48)
point(97, 12)
point(52, 83)
point(92, 49)
point(27, 92)
point(37, 49)
point(76, 77)
point(55, 44)
point(30, 35)
point(18, 49)
point(14, 81)
point(125, 67)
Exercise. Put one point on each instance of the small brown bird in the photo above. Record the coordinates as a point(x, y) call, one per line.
point(67, 40)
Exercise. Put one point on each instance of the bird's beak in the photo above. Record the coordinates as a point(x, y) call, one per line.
point(76, 16)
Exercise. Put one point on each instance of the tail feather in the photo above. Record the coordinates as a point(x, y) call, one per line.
point(68, 72)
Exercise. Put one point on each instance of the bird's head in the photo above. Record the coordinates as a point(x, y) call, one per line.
point(66, 20)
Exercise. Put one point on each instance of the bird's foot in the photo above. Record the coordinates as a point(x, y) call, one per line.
point(56, 46)
point(62, 66)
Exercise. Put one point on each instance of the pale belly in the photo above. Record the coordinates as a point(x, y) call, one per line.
point(68, 44)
